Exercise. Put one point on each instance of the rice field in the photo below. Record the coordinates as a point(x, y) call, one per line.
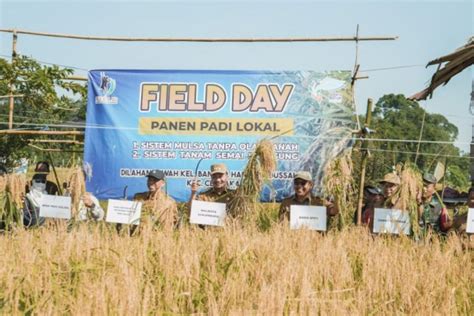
point(253, 266)
point(236, 270)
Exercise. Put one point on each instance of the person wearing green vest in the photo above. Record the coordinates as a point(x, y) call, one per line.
point(432, 214)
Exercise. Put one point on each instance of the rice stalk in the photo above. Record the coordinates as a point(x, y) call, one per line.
point(407, 193)
point(76, 188)
point(11, 200)
point(257, 172)
point(339, 186)
point(3, 183)
point(16, 185)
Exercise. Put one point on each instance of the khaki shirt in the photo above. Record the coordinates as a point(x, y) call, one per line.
point(309, 200)
point(211, 195)
point(159, 208)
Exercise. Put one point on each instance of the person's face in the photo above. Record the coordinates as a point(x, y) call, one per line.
point(39, 177)
point(219, 181)
point(470, 199)
point(428, 190)
point(154, 184)
point(302, 187)
point(389, 189)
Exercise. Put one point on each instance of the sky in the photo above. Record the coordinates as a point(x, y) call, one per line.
point(426, 30)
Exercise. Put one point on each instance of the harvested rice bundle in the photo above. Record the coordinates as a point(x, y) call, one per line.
point(76, 187)
point(257, 172)
point(16, 185)
point(339, 185)
point(11, 200)
point(406, 196)
point(3, 183)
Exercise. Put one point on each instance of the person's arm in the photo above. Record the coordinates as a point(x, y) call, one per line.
point(445, 222)
point(283, 213)
point(194, 189)
point(331, 208)
point(93, 205)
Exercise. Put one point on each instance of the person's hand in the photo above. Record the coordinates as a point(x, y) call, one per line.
point(194, 187)
point(87, 199)
point(419, 197)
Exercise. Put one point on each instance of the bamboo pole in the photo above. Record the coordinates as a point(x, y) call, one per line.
point(368, 118)
point(28, 132)
point(11, 87)
point(56, 141)
point(206, 40)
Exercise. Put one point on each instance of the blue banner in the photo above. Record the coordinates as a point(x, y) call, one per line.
point(138, 120)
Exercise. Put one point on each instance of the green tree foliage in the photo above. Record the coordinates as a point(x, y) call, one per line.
point(395, 117)
point(48, 98)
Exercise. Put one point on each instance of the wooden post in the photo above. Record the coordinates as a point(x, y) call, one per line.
point(363, 133)
point(12, 99)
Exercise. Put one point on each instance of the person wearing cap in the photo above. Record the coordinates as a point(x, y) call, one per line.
point(373, 197)
point(432, 214)
point(41, 174)
point(158, 207)
point(218, 192)
point(303, 185)
point(390, 185)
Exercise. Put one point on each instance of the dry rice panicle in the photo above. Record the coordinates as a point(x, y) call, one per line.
point(257, 172)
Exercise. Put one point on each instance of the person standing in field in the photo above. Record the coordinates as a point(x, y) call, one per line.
point(432, 215)
point(32, 202)
point(158, 208)
point(390, 185)
point(303, 186)
point(218, 192)
point(41, 172)
point(373, 197)
point(89, 208)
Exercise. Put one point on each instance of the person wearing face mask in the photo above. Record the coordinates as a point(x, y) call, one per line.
point(42, 168)
point(432, 214)
point(303, 185)
point(32, 201)
point(158, 208)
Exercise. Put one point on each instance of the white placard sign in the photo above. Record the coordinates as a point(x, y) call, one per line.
point(470, 221)
point(207, 213)
point(124, 212)
point(308, 216)
point(391, 221)
point(55, 206)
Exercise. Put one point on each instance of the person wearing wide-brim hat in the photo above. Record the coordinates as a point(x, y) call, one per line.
point(303, 186)
point(158, 207)
point(432, 214)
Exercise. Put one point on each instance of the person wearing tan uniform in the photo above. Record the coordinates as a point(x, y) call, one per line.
point(218, 192)
point(158, 208)
point(303, 185)
point(390, 185)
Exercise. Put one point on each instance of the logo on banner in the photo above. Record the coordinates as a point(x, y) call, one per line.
point(107, 87)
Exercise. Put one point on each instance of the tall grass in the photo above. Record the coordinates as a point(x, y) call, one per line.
point(93, 270)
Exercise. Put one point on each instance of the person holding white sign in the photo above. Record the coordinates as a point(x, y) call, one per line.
point(32, 202)
point(390, 186)
point(158, 208)
point(303, 185)
point(432, 214)
point(219, 192)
